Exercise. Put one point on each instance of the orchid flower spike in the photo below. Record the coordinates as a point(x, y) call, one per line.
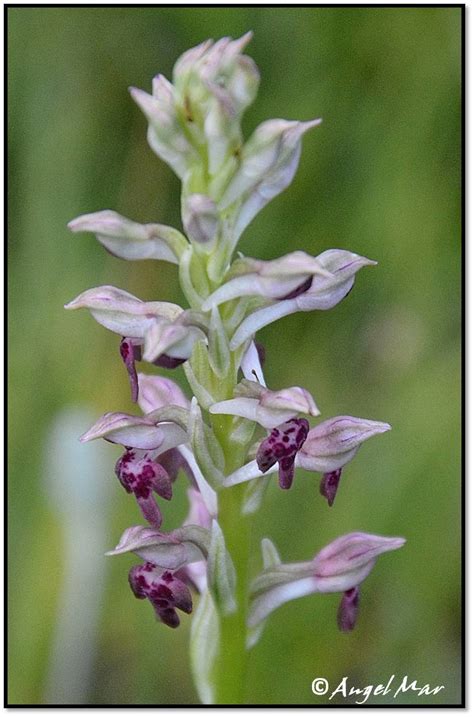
point(340, 567)
point(194, 125)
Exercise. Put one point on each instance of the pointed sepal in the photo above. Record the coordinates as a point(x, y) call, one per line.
point(129, 240)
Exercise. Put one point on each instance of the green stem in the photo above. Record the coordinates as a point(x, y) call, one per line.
point(232, 661)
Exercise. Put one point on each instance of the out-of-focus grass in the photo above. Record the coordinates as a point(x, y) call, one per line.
point(381, 177)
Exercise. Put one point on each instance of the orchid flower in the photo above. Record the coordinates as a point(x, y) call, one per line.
point(320, 292)
point(194, 125)
point(138, 470)
point(283, 278)
point(325, 449)
point(340, 567)
point(167, 332)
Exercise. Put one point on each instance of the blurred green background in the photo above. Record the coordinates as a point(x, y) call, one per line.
point(380, 177)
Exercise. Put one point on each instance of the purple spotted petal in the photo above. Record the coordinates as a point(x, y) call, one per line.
point(329, 485)
point(181, 594)
point(141, 475)
point(282, 445)
point(166, 592)
point(139, 580)
point(348, 610)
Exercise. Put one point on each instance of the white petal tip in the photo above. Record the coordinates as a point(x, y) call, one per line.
point(313, 123)
point(87, 436)
point(139, 96)
point(395, 543)
point(73, 225)
point(241, 42)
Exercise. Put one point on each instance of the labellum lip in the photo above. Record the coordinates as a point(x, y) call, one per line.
point(348, 610)
point(141, 475)
point(282, 446)
point(329, 485)
point(165, 591)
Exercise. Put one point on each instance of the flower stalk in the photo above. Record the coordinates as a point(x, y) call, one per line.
point(232, 432)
